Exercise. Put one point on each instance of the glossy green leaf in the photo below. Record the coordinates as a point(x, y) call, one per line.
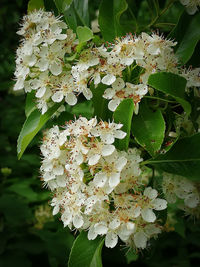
point(171, 84)
point(187, 34)
point(35, 5)
point(70, 17)
point(86, 252)
point(123, 114)
point(81, 9)
point(109, 18)
point(100, 104)
point(31, 127)
point(182, 159)
point(30, 103)
point(149, 129)
point(84, 34)
point(62, 5)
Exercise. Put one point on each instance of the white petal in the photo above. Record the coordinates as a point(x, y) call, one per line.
point(108, 79)
point(100, 179)
point(191, 9)
point(127, 61)
point(114, 179)
point(118, 84)
point(100, 228)
point(120, 163)
point(58, 170)
point(113, 104)
point(40, 93)
point(120, 134)
point(57, 97)
point(150, 193)
point(107, 138)
point(114, 224)
point(97, 79)
point(94, 159)
point(42, 64)
point(107, 150)
point(56, 209)
point(148, 215)
point(78, 221)
point(111, 240)
point(159, 204)
point(136, 212)
point(71, 99)
point(66, 218)
point(55, 68)
point(92, 234)
point(87, 93)
point(19, 85)
point(61, 36)
point(109, 93)
point(192, 200)
point(140, 240)
point(130, 226)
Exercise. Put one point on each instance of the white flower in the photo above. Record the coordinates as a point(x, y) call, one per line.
point(120, 91)
point(175, 186)
point(191, 6)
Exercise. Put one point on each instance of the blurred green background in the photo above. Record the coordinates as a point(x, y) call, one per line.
point(29, 235)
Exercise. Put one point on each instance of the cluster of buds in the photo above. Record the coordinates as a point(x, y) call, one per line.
point(98, 188)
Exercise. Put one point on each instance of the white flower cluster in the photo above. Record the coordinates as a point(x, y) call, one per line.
point(98, 188)
point(40, 59)
point(106, 64)
point(177, 187)
point(40, 65)
point(191, 6)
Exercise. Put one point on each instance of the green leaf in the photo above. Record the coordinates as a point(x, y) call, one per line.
point(62, 5)
point(31, 127)
point(182, 159)
point(81, 9)
point(187, 34)
point(149, 129)
point(131, 256)
point(100, 104)
point(23, 188)
point(171, 84)
point(123, 114)
point(35, 4)
point(84, 34)
point(109, 18)
point(86, 252)
point(70, 17)
point(30, 103)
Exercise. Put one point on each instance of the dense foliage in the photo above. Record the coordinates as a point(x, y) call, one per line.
point(137, 93)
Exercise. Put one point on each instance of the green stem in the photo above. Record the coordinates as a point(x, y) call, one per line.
point(158, 98)
point(162, 12)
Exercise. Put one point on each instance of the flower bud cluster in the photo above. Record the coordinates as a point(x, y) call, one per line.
point(98, 188)
point(176, 187)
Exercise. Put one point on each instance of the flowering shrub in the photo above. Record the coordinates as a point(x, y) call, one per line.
point(116, 172)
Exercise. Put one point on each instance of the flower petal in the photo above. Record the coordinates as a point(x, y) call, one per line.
point(111, 240)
